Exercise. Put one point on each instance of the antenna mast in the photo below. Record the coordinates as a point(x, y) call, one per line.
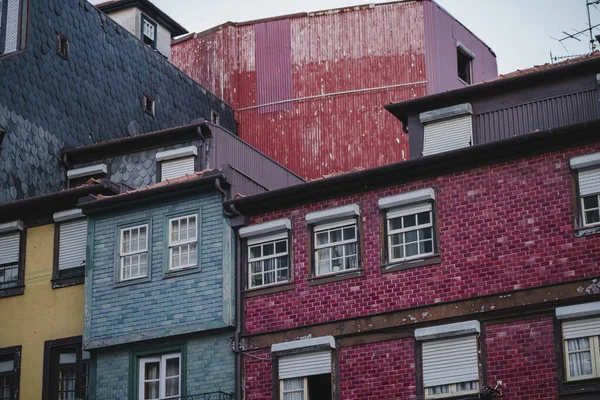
point(575, 35)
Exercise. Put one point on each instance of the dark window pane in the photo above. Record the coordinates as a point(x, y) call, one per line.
point(398, 252)
point(426, 247)
point(350, 249)
point(590, 202)
point(351, 262)
point(410, 236)
point(395, 223)
point(283, 262)
point(425, 233)
point(335, 236)
point(396, 239)
point(322, 238)
point(268, 249)
point(423, 217)
point(349, 233)
point(410, 220)
point(255, 252)
point(591, 217)
point(281, 247)
point(412, 249)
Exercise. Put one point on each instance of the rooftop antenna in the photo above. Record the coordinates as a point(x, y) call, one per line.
point(577, 34)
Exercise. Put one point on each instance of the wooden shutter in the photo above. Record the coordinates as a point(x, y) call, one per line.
point(176, 168)
point(9, 248)
point(306, 364)
point(446, 135)
point(450, 361)
point(589, 182)
point(72, 244)
point(581, 328)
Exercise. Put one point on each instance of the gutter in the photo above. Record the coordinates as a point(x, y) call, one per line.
point(419, 168)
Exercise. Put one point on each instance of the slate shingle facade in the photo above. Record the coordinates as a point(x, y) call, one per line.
point(47, 102)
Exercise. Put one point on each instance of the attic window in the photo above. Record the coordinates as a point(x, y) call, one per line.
point(447, 129)
point(214, 117)
point(176, 163)
point(148, 32)
point(62, 46)
point(464, 61)
point(148, 104)
point(79, 176)
point(13, 26)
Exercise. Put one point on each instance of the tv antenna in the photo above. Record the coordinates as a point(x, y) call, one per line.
point(576, 35)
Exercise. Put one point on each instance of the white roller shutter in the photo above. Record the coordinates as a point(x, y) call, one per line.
point(450, 361)
point(446, 135)
point(9, 248)
point(306, 364)
point(176, 168)
point(581, 328)
point(72, 244)
point(415, 209)
point(589, 182)
point(13, 16)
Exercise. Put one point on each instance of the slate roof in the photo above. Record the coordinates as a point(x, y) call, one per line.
point(47, 102)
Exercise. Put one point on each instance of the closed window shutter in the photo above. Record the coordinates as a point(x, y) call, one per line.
point(589, 182)
point(450, 361)
point(176, 168)
point(11, 28)
point(306, 364)
point(446, 135)
point(9, 248)
point(581, 328)
point(72, 244)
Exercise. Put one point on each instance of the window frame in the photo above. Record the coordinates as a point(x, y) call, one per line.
point(261, 240)
point(16, 352)
point(403, 211)
point(118, 258)
point(330, 226)
point(52, 349)
point(23, 35)
point(304, 388)
point(154, 352)
point(171, 245)
point(461, 50)
point(594, 350)
point(19, 288)
point(144, 18)
point(60, 280)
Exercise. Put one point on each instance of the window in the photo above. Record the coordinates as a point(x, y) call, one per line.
point(133, 252)
point(12, 29)
point(450, 359)
point(409, 225)
point(10, 365)
point(464, 61)
point(79, 176)
point(148, 104)
point(336, 247)
point(587, 168)
point(70, 234)
point(12, 261)
point(62, 46)
point(214, 117)
point(66, 370)
point(148, 32)
point(183, 242)
point(447, 129)
point(305, 368)
point(268, 255)
point(160, 377)
point(176, 163)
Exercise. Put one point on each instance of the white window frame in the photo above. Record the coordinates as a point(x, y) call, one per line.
point(181, 243)
point(262, 241)
point(123, 255)
point(583, 210)
point(304, 388)
point(403, 212)
point(320, 228)
point(594, 357)
point(162, 360)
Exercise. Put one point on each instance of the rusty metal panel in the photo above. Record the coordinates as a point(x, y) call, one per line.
point(535, 115)
point(273, 65)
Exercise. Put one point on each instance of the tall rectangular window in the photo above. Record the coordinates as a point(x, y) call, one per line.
point(10, 361)
point(464, 62)
point(336, 247)
point(72, 243)
point(66, 370)
point(582, 348)
point(587, 169)
point(148, 32)
point(12, 26)
point(183, 242)
point(12, 260)
point(133, 252)
point(160, 377)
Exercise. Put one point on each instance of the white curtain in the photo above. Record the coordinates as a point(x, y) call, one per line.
point(293, 389)
point(580, 361)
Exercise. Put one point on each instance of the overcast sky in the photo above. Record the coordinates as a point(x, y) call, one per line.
point(519, 31)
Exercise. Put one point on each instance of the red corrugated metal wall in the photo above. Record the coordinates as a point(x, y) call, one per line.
point(345, 65)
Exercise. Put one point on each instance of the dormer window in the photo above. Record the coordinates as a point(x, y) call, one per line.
point(79, 176)
point(176, 163)
point(148, 32)
point(464, 62)
point(447, 129)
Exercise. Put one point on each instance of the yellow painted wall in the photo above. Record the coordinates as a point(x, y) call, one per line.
point(41, 313)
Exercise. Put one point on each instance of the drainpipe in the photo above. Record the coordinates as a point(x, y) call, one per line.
point(238, 317)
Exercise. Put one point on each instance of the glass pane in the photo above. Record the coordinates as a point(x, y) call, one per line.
point(590, 202)
point(172, 367)
point(438, 389)
point(396, 239)
point(268, 249)
point(337, 251)
point(466, 386)
point(172, 387)
point(337, 264)
point(395, 223)
point(174, 231)
point(257, 280)
point(293, 384)
point(323, 268)
point(410, 236)
point(580, 364)
point(322, 238)
point(270, 264)
point(282, 275)
point(410, 220)
point(426, 247)
point(255, 252)
point(351, 262)
point(322, 254)
point(281, 247)
point(255, 267)
point(398, 252)
point(283, 262)
point(578, 344)
point(151, 390)
point(425, 233)
point(423, 218)
point(349, 233)
point(350, 249)
point(151, 370)
point(335, 236)
point(412, 249)
point(591, 217)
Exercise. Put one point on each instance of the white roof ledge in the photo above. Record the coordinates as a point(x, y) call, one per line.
point(578, 310)
point(448, 330)
point(407, 198)
point(333, 213)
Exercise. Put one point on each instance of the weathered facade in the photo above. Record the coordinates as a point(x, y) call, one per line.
point(438, 276)
point(308, 88)
point(76, 77)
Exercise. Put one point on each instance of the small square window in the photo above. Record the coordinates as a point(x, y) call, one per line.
point(62, 46)
point(149, 106)
point(183, 242)
point(133, 253)
point(268, 260)
point(465, 66)
point(335, 247)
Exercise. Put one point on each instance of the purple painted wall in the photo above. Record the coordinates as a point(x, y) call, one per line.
point(442, 34)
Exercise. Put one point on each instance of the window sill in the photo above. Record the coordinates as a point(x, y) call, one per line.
point(14, 291)
point(259, 291)
point(579, 389)
point(581, 231)
point(58, 283)
point(340, 276)
point(130, 282)
point(403, 265)
point(180, 272)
